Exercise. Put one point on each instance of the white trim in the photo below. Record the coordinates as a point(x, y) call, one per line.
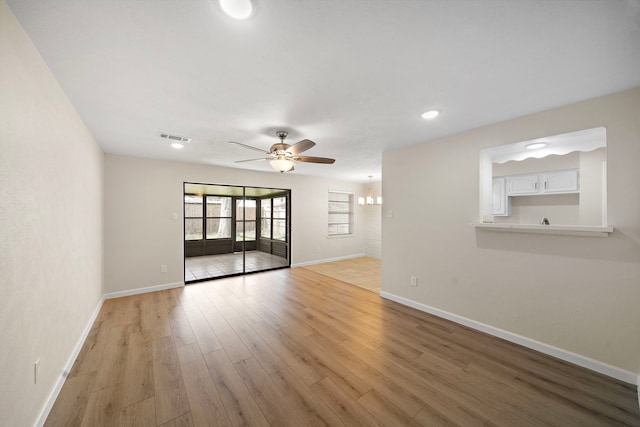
point(143, 290)
point(585, 362)
point(571, 230)
point(322, 261)
point(44, 413)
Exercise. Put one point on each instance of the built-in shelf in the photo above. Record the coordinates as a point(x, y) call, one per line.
point(570, 230)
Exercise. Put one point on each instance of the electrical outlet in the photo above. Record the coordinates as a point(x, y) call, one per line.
point(163, 268)
point(36, 371)
point(175, 215)
point(414, 281)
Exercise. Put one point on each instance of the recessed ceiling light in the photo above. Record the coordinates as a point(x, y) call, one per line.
point(535, 145)
point(237, 9)
point(177, 145)
point(431, 114)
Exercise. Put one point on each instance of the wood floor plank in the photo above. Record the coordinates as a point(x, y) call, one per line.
point(72, 401)
point(138, 373)
point(258, 347)
point(204, 335)
point(349, 411)
point(180, 326)
point(294, 348)
point(297, 360)
point(114, 359)
point(269, 397)
point(90, 356)
point(328, 365)
point(184, 420)
point(301, 397)
point(242, 409)
point(228, 338)
point(103, 407)
point(141, 414)
point(385, 413)
point(169, 391)
point(384, 384)
point(204, 400)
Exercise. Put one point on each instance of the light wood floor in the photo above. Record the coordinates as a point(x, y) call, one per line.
point(295, 348)
point(363, 272)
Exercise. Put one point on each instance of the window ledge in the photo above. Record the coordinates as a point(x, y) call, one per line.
point(339, 236)
point(569, 230)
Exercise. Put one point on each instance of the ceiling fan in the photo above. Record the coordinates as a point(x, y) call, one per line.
point(282, 155)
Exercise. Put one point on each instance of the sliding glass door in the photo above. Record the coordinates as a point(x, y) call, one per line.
point(232, 230)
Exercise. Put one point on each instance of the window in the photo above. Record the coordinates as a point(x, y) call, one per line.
point(245, 220)
point(218, 217)
point(279, 218)
point(193, 217)
point(340, 213)
point(214, 222)
point(273, 218)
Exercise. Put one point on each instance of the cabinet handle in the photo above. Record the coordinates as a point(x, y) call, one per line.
point(536, 186)
point(545, 185)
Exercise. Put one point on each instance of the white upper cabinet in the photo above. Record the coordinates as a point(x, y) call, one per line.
point(560, 181)
point(520, 185)
point(563, 181)
point(501, 203)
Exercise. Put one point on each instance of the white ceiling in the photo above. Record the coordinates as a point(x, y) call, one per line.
point(351, 75)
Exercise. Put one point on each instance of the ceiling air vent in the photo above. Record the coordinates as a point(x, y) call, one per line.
point(175, 138)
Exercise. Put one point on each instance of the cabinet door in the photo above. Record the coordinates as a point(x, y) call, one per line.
point(560, 181)
point(500, 199)
point(518, 185)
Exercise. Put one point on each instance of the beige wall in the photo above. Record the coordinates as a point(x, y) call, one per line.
point(373, 221)
point(141, 196)
point(579, 294)
point(593, 166)
point(50, 226)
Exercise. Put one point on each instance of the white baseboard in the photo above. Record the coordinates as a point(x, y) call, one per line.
point(137, 291)
point(44, 413)
point(585, 362)
point(322, 261)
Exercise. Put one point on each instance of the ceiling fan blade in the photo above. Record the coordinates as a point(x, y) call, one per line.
point(301, 146)
point(251, 160)
point(311, 159)
point(249, 147)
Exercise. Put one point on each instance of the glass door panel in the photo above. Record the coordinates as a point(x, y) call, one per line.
point(231, 230)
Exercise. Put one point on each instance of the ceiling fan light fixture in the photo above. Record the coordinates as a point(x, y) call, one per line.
point(282, 165)
point(237, 9)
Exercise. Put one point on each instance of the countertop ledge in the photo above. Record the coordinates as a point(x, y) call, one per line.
point(570, 230)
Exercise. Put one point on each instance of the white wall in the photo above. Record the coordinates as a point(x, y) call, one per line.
point(50, 226)
point(579, 294)
point(141, 196)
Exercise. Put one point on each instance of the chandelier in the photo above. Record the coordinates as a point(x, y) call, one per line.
point(370, 200)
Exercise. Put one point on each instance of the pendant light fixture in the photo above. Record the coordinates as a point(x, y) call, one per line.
point(370, 200)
